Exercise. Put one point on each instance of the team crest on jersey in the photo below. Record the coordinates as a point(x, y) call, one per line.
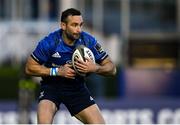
point(99, 48)
point(69, 62)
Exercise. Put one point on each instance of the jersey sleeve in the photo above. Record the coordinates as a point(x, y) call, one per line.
point(42, 51)
point(98, 51)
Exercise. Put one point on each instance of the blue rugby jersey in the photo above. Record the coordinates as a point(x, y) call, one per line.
point(52, 51)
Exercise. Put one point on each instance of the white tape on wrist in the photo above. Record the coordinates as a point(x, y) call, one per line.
point(53, 71)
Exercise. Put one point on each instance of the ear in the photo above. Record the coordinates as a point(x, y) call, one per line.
point(63, 25)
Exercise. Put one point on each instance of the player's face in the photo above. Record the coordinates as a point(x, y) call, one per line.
point(73, 27)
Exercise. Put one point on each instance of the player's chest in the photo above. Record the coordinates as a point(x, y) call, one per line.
point(62, 54)
point(60, 58)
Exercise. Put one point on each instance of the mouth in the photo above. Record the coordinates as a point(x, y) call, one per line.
point(76, 35)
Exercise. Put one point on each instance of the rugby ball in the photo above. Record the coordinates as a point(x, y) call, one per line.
point(81, 52)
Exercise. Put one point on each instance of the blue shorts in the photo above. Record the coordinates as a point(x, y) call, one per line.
point(75, 99)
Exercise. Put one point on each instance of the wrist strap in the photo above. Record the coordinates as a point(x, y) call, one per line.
point(53, 71)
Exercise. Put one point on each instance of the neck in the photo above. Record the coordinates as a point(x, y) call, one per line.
point(67, 40)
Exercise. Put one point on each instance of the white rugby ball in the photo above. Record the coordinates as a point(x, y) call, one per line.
point(81, 52)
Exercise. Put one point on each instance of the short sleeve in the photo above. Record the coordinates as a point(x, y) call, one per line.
point(98, 51)
point(42, 51)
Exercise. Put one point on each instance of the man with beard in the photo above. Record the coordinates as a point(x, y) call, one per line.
point(60, 84)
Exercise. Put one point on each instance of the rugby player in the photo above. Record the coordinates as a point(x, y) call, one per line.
point(51, 59)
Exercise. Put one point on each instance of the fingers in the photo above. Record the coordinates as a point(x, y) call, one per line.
point(70, 73)
point(69, 68)
point(87, 66)
point(70, 76)
point(68, 65)
point(87, 59)
point(80, 65)
point(80, 61)
point(67, 71)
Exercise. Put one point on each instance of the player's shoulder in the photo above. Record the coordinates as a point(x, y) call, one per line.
point(88, 38)
point(87, 35)
point(54, 36)
point(51, 39)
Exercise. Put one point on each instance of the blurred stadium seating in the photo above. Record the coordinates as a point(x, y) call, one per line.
point(141, 36)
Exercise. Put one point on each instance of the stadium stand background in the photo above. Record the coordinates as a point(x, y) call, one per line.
point(141, 36)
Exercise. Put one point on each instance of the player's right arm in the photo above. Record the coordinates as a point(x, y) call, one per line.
point(35, 69)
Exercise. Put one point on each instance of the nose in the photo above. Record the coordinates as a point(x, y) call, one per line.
point(79, 29)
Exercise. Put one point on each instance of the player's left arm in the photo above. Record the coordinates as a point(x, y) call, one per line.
point(105, 67)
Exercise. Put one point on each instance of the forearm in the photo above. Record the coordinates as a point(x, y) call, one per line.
point(106, 69)
point(37, 70)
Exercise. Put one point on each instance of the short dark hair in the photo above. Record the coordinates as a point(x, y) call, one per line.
point(69, 12)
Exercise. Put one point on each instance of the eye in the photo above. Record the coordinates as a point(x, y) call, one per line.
point(81, 24)
point(74, 25)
